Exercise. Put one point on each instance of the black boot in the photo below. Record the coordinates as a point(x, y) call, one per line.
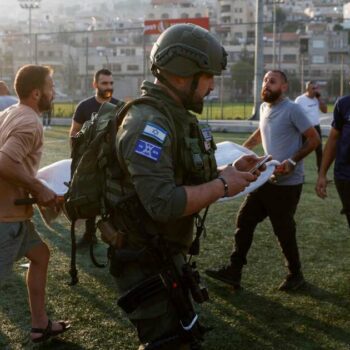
point(293, 281)
point(228, 274)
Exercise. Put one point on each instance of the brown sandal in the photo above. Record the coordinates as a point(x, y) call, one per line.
point(48, 332)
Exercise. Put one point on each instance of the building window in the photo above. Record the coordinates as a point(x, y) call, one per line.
point(318, 44)
point(184, 15)
point(132, 67)
point(151, 15)
point(335, 58)
point(165, 16)
point(116, 67)
point(317, 73)
point(318, 59)
point(226, 8)
point(127, 52)
point(289, 58)
point(268, 58)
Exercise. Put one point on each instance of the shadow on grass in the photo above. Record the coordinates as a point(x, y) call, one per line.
point(59, 344)
point(4, 341)
point(273, 324)
point(101, 275)
point(315, 292)
point(14, 304)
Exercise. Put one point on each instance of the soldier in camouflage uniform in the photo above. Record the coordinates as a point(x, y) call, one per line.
point(168, 165)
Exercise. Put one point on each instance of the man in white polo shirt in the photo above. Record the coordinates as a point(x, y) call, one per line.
point(312, 104)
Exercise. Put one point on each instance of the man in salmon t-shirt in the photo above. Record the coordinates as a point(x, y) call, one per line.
point(21, 141)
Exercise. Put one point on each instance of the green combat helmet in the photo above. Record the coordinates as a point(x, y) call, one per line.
point(188, 49)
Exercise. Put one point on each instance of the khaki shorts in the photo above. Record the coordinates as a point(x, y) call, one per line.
point(16, 240)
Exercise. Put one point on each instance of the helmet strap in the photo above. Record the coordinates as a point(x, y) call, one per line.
point(185, 98)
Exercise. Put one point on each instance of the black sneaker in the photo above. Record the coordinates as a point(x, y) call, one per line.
point(292, 282)
point(227, 274)
point(86, 240)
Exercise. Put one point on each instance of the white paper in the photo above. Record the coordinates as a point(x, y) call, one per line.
point(227, 152)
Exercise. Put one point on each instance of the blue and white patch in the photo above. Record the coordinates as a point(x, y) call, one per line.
point(148, 150)
point(206, 132)
point(155, 132)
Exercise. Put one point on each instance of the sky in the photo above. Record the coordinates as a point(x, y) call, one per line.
point(12, 9)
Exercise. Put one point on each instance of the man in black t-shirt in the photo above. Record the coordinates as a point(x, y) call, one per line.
point(337, 149)
point(103, 84)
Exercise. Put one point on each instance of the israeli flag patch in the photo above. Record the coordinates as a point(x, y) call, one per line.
point(206, 132)
point(148, 150)
point(155, 132)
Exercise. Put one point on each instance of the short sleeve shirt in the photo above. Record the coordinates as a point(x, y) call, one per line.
point(21, 139)
point(86, 107)
point(281, 127)
point(311, 107)
point(341, 122)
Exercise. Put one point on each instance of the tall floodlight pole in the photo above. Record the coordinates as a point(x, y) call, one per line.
point(274, 35)
point(259, 57)
point(274, 25)
point(30, 5)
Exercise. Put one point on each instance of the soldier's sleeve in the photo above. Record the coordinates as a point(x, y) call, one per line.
point(145, 145)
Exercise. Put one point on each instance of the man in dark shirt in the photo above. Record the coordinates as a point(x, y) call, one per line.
point(338, 148)
point(103, 85)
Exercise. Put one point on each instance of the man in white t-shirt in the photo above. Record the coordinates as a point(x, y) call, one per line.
point(312, 104)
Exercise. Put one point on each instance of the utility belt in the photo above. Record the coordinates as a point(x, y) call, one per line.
point(164, 281)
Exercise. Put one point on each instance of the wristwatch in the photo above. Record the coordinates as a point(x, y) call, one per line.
point(291, 161)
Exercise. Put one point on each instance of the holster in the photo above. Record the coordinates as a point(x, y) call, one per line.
point(130, 300)
point(110, 235)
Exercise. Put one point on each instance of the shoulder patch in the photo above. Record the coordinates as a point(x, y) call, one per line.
point(206, 132)
point(155, 132)
point(148, 150)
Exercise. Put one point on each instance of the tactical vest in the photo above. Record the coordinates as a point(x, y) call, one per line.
point(195, 163)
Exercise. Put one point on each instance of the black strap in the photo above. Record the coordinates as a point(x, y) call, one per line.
point(93, 258)
point(73, 268)
point(200, 228)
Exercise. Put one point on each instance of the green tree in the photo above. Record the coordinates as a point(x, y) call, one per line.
point(242, 77)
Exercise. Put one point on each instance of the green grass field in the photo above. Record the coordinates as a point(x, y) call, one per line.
point(259, 317)
point(229, 111)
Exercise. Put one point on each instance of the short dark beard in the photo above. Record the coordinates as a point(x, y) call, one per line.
point(44, 103)
point(272, 97)
point(106, 94)
point(196, 107)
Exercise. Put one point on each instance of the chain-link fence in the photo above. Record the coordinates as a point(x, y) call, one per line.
point(76, 55)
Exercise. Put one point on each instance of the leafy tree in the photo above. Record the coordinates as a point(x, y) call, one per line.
point(243, 77)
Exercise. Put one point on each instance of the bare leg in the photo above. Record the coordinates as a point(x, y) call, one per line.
point(36, 284)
